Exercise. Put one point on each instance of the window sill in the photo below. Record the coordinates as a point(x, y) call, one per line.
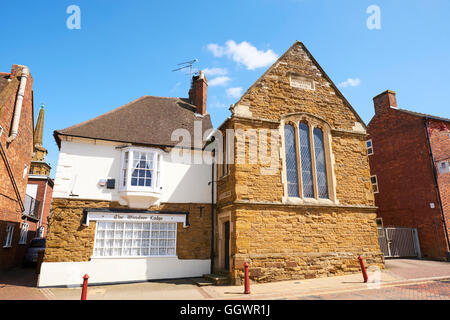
point(139, 199)
point(141, 190)
point(6, 247)
point(134, 257)
point(295, 200)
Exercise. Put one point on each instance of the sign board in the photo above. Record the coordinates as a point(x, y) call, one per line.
point(157, 217)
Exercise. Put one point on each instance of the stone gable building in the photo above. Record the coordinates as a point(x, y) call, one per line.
point(306, 209)
point(284, 185)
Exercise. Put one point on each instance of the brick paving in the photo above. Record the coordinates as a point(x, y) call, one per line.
point(415, 269)
point(20, 284)
point(428, 290)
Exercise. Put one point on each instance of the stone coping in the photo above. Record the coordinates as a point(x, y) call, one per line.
point(371, 209)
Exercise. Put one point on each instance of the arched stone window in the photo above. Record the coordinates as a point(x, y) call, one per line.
point(321, 169)
point(307, 167)
point(291, 160)
point(306, 161)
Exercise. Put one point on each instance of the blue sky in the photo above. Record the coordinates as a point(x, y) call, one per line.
point(127, 49)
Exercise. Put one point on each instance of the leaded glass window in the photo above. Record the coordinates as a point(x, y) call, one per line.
point(307, 150)
point(321, 169)
point(291, 161)
point(306, 163)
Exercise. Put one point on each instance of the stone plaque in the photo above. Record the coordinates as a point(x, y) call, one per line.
point(302, 82)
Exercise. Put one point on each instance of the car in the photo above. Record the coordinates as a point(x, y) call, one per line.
point(36, 245)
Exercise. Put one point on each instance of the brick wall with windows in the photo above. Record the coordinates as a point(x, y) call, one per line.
point(44, 196)
point(19, 154)
point(440, 145)
point(402, 164)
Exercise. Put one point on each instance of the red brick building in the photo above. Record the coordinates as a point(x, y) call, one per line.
point(409, 156)
point(16, 149)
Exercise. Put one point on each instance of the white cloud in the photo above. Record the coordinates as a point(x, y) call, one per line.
point(216, 50)
point(350, 82)
point(244, 53)
point(234, 92)
point(219, 81)
point(215, 71)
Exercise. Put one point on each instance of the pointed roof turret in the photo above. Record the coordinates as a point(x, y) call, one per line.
point(38, 164)
point(39, 130)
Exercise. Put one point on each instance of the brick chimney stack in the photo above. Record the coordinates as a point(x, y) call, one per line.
point(384, 101)
point(198, 92)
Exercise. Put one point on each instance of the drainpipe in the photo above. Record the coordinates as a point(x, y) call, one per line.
point(43, 204)
point(11, 176)
point(19, 101)
point(212, 211)
point(437, 188)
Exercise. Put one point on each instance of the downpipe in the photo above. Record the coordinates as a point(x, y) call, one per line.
point(19, 102)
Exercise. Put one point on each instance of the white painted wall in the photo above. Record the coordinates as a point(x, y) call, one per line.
point(120, 270)
point(32, 190)
point(82, 164)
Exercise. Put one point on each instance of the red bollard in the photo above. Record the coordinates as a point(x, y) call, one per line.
point(85, 285)
point(363, 268)
point(246, 280)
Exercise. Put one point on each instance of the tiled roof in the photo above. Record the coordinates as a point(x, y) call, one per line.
point(3, 80)
point(423, 115)
point(148, 120)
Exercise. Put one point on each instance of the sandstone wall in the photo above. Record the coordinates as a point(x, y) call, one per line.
point(284, 243)
point(273, 95)
point(68, 241)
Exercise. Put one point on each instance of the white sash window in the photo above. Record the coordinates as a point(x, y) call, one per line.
point(140, 170)
point(24, 234)
point(9, 235)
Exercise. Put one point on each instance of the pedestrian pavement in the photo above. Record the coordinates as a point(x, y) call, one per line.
point(20, 284)
point(425, 290)
point(402, 279)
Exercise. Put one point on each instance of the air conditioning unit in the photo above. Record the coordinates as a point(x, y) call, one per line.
point(444, 167)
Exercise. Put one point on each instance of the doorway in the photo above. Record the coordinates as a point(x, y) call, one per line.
point(226, 243)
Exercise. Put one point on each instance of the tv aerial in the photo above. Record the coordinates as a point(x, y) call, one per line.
point(187, 64)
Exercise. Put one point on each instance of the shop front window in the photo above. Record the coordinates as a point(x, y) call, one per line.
point(135, 239)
